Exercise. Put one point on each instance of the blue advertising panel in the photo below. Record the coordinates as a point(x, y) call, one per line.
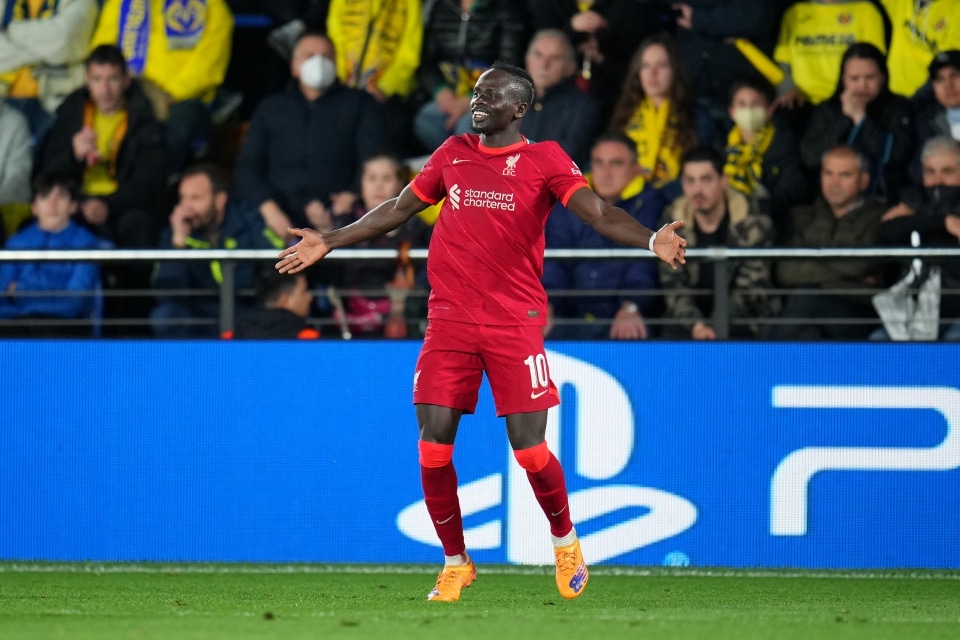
point(727, 454)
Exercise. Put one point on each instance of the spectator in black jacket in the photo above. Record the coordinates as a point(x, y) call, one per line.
point(707, 34)
point(605, 34)
point(461, 39)
point(864, 114)
point(106, 137)
point(283, 304)
point(942, 117)
point(934, 213)
point(206, 217)
point(561, 112)
point(762, 158)
point(306, 145)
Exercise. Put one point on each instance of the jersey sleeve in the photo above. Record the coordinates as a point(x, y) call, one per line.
point(782, 52)
point(562, 173)
point(428, 184)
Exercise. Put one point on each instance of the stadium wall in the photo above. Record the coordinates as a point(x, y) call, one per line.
point(726, 454)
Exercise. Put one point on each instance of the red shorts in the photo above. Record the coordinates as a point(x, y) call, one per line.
point(455, 355)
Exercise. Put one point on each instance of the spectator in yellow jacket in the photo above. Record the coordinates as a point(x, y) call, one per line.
point(378, 49)
point(180, 49)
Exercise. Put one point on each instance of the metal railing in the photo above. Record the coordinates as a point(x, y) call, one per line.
point(721, 256)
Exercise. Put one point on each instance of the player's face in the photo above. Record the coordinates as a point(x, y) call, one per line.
point(107, 84)
point(703, 186)
point(941, 169)
point(379, 183)
point(863, 78)
point(656, 74)
point(547, 62)
point(841, 180)
point(612, 167)
point(493, 105)
point(196, 194)
point(946, 87)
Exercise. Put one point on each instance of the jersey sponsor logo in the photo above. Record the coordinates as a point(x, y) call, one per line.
point(826, 40)
point(845, 18)
point(511, 168)
point(497, 200)
point(454, 196)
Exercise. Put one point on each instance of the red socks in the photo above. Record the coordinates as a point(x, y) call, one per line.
point(439, 480)
point(546, 478)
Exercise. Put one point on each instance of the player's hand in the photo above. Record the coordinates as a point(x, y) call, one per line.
point(669, 246)
point(310, 250)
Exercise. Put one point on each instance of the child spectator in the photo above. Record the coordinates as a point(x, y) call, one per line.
point(54, 202)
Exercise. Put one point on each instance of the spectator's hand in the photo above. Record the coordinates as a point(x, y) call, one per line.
point(182, 221)
point(685, 19)
point(446, 99)
point(376, 93)
point(702, 331)
point(274, 217)
point(628, 325)
point(669, 246)
point(590, 49)
point(792, 99)
point(953, 226)
point(588, 22)
point(898, 211)
point(310, 250)
point(319, 216)
point(12, 288)
point(85, 146)
point(343, 202)
point(853, 105)
point(459, 108)
point(95, 211)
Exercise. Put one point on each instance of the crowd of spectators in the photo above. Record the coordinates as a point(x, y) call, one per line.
point(829, 123)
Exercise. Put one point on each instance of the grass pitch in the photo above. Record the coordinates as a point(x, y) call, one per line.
point(185, 602)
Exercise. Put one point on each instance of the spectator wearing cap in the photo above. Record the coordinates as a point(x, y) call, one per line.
point(941, 117)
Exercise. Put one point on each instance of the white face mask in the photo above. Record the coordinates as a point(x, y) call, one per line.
point(750, 119)
point(318, 72)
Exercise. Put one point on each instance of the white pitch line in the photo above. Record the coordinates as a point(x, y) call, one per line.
point(268, 569)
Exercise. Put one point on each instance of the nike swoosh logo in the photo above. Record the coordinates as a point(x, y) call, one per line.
point(534, 396)
point(458, 161)
point(559, 512)
point(445, 521)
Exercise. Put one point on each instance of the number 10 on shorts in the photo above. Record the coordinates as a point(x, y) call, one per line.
point(538, 371)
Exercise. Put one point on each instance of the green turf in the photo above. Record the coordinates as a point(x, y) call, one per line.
point(104, 602)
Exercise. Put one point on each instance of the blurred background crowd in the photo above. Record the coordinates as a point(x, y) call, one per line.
point(183, 124)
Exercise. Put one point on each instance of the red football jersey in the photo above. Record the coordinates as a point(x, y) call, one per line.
point(486, 254)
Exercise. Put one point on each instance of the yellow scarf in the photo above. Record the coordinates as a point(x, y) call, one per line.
point(654, 129)
point(744, 165)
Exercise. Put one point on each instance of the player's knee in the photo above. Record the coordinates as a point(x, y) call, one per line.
point(533, 459)
point(434, 455)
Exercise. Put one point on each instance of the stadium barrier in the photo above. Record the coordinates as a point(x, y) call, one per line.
point(704, 454)
point(723, 259)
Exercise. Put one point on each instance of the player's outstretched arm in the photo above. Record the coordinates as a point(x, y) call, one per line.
point(313, 245)
point(616, 224)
